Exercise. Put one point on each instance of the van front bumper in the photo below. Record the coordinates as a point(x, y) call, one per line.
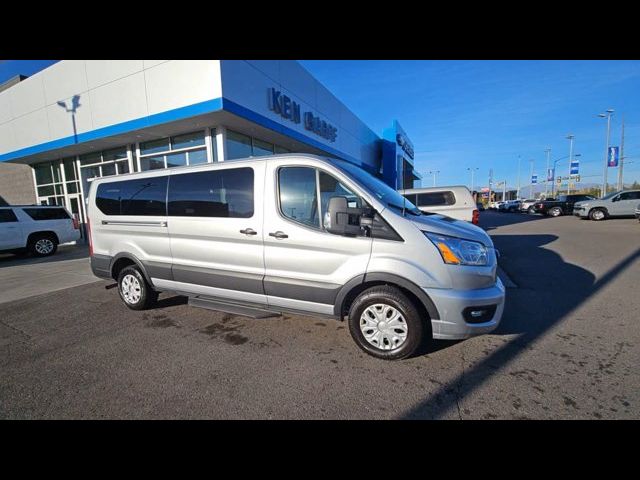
point(451, 305)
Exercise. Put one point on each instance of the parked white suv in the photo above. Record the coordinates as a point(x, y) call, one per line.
point(38, 229)
point(455, 201)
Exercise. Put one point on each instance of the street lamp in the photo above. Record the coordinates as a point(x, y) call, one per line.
point(606, 115)
point(546, 183)
point(434, 173)
point(531, 179)
point(518, 191)
point(570, 138)
point(472, 170)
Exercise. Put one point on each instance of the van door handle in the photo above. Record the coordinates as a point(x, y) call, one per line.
point(279, 235)
point(249, 231)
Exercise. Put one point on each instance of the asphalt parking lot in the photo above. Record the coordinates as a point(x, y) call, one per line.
point(567, 348)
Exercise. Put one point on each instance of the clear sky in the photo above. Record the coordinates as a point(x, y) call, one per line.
point(462, 114)
point(467, 114)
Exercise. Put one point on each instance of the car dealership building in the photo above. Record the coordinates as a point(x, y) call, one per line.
point(82, 119)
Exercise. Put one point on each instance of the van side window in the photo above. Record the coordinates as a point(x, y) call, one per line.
point(299, 195)
point(331, 187)
point(46, 213)
point(435, 198)
point(142, 196)
point(7, 216)
point(213, 193)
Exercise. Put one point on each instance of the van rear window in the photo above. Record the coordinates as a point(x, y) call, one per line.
point(46, 213)
point(432, 199)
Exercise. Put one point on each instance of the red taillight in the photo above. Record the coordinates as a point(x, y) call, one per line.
point(76, 224)
point(89, 235)
point(476, 217)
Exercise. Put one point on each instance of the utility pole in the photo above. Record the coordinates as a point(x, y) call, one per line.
point(434, 173)
point(490, 183)
point(546, 183)
point(570, 137)
point(620, 181)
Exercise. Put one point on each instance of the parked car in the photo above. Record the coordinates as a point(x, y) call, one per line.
point(37, 229)
point(495, 205)
point(455, 202)
point(296, 233)
point(615, 204)
point(563, 205)
point(510, 206)
point(526, 205)
point(637, 212)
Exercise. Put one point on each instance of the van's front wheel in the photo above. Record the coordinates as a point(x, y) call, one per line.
point(134, 290)
point(385, 323)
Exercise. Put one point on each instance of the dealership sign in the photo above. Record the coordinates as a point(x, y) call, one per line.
point(405, 145)
point(288, 109)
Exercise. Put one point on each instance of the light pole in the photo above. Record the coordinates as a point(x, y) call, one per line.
point(472, 170)
point(546, 183)
point(434, 173)
point(570, 137)
point(518, 192)
point(606, 115)
point(531, 179)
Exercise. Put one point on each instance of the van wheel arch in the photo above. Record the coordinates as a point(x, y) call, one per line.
point(354, 287)
point(121, 261)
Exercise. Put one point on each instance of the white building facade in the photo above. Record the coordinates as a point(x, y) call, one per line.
point(82, 119)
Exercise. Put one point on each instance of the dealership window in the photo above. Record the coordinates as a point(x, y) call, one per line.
point(176, 151)
point(49, 187)
point(217, 193)
point(240, 145)
point(114, 161)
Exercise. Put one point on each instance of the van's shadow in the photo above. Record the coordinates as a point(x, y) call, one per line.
point(548, 290)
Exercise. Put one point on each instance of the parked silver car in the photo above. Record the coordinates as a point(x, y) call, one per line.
point(615, 204)
point(296, 233)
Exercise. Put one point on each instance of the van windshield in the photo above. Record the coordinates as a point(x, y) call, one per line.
point(384, 192)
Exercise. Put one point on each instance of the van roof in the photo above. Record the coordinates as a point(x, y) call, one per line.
point(433, 189)
point(239, 161)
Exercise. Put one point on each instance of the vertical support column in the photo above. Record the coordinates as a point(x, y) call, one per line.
point(221, 137)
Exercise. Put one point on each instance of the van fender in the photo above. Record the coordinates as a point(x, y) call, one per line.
point(134, 259)
point(390, 279)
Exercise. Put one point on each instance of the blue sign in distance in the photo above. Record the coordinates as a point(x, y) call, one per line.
point(575, 167)
point(534, 179)
point(612, 157)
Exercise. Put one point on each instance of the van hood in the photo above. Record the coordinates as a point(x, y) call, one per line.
point(450, 226)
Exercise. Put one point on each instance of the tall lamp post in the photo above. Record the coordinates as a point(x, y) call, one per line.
point(531, 179)
point(546, 183)
point(472, 170)
point(606, 115)
point(570, 137)
point(434, 173)
point(518, 191)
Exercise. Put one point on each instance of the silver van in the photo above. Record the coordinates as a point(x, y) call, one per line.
point(301, 234)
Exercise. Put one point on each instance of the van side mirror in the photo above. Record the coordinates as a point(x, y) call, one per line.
point(342, 219)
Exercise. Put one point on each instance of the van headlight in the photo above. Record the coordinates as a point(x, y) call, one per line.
point(458, 251)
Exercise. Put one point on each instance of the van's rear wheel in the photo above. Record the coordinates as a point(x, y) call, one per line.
point(134, 290)
point(385, 323)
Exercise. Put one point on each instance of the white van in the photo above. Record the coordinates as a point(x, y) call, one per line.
point(456, 201)
point(296, 233)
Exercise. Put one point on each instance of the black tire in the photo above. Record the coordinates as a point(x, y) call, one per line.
point(393, 297)
point(598, 214)
point(555, 212)
point(42, 245)
point(143, 297)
